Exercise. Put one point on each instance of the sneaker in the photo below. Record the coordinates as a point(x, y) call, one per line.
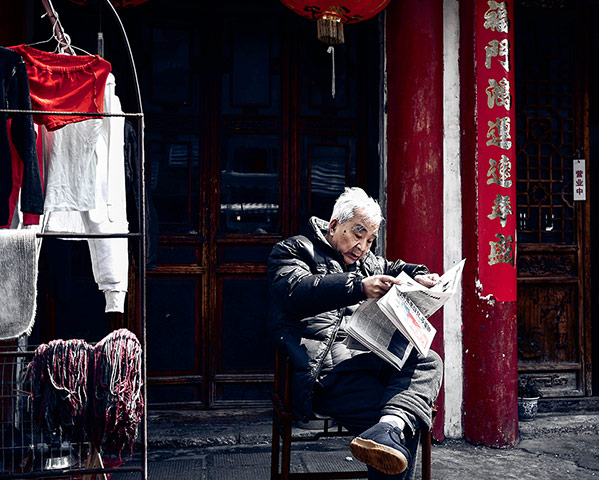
point(382, 447)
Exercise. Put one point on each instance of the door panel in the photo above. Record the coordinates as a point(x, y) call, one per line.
point(174, 170)
point(249, 184)
point(326, 169)
point(245, 362)
point(553, 266)
point(175, 344)
point(173, 325)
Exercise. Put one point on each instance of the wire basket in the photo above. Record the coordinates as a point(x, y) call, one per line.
point(31, 450)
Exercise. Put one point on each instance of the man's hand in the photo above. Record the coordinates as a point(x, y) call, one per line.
point(377, 285)
point(428, 280)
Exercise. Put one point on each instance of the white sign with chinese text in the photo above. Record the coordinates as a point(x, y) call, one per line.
point(579, 180)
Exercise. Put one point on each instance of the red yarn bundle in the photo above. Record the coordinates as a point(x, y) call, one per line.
point(117, 391)
point(58, 375)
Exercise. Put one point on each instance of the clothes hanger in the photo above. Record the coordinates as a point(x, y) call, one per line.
point(64, 45)
point(54, 36)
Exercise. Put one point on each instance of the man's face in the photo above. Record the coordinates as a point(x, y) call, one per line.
point(353, 238)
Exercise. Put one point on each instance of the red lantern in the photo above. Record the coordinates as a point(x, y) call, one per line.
point(330, 15)
point(116, 3)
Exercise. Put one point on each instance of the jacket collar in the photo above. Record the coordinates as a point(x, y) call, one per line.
point(320, 228)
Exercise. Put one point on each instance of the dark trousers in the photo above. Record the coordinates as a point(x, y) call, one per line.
point(359, 390)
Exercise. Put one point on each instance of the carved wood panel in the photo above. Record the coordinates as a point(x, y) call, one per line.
point(546, 335)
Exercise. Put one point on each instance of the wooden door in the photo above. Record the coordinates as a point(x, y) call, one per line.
point(554, 343)
point(244, 143)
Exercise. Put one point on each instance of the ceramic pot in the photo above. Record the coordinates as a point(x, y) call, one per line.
point(527, 408)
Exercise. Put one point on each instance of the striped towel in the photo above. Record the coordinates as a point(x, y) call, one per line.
point(18, 282)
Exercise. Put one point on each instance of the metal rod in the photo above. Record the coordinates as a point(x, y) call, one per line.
point(87, 235)
point(56, 112)
point(142, 242)
point(67, 473)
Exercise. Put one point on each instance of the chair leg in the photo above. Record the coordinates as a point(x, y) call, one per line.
point(286, 450)
point(426, 454)
point(274, 457)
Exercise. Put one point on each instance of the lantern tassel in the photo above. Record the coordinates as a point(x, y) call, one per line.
point(331, 50)
point(330, 29)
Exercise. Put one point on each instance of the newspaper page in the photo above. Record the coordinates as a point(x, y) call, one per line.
point(408, 319)
point(429, 300)
point(371, 328)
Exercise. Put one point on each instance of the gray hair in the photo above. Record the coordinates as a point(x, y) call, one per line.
point(352, 199)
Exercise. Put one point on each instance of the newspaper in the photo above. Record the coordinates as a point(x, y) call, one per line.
point(373, 330)
point(397, 322)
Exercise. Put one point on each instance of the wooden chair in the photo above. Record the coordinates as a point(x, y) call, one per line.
point(283, 418)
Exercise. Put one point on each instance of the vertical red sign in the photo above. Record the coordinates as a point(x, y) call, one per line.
point(496, 150)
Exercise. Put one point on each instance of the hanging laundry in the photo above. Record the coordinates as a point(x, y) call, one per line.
point(15, 95)
point(109, 256)
point(70, 166)
point(132, 173)
point(68, 83)
point(18, 282)
point(17, 181)
point(84, 159)
point(15, 218)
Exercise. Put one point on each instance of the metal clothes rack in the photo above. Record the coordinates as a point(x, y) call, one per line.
point(64, 45)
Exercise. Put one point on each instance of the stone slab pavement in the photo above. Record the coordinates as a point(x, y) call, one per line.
point(236, 446)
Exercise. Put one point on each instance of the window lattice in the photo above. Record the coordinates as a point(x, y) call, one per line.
point(546, 129)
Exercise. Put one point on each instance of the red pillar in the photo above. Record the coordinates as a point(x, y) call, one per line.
point(415, 142)
point(489, 210)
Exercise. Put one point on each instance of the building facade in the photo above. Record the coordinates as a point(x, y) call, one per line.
point(465, 119)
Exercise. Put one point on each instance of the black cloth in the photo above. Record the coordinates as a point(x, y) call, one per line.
point(134, 203)
point(14, 95)
point(310, 288)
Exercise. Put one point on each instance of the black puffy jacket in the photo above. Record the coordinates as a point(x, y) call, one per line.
point(310, 288)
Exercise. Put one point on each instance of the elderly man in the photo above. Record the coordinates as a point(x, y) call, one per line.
point(316, 282)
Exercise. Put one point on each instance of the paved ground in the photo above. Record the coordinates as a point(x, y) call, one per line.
point(217, 447)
